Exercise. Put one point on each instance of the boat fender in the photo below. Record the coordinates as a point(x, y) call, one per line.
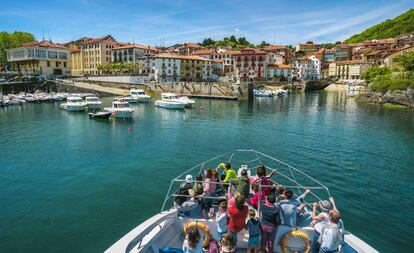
point(203, 227)
point(293, 234)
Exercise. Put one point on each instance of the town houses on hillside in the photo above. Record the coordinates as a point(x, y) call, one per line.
point(194, 63)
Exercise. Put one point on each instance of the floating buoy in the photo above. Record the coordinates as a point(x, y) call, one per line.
point(129, 129)
point(201, 109)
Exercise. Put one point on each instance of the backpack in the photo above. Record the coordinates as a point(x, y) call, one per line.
point(214, 247)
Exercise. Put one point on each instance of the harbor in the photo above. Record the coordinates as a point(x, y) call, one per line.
point(84, 182)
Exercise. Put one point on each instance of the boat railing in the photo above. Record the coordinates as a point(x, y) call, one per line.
point(287, 175)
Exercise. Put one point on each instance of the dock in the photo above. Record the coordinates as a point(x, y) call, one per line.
point(209, 97)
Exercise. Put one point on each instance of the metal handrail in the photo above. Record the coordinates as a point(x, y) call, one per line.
point(231, 155)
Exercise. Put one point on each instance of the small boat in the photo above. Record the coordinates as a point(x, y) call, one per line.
point(100, 115)
point(262, 93)
point(74, 104)
point(165, 229)
point(120, 109)
point(139, 95)
point(93, 103)
point(170, 101)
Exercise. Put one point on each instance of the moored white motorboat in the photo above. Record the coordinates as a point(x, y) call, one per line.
point(139, 95)
point(120, 109)
point(170, 101)
point(93, 103)
point(74, 104)
point(165, 229)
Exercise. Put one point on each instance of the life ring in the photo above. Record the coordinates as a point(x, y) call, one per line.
point(293, 234)
point(201, 226)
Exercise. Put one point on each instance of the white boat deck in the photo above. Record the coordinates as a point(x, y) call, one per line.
point(166, 228)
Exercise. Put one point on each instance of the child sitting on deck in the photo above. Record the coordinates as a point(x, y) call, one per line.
point(253, 226)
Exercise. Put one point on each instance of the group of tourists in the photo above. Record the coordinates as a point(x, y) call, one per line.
point(274, 211)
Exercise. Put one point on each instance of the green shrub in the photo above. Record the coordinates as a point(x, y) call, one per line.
point(375, 71)
point(390, 82)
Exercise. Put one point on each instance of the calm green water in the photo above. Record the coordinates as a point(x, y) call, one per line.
point(71, 184)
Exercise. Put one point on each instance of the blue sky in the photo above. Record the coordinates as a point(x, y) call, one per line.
point(157, 22)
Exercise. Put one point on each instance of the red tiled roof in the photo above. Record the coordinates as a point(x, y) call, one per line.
point(228, 52)
point(44, 43)
point(194, 45)
point(127, 46)
point(275, 47)
point(179, 56)
point(247, 51)
point(280, 66)
point(99, 40)
point(203, 52)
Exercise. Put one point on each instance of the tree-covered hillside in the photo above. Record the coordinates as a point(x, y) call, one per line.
point(400, 25)
point(233, 42)
point(11, 40)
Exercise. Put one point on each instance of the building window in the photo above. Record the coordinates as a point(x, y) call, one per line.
point(64, 64)
point(48, 63)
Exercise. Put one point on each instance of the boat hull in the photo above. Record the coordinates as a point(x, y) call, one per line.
point(169, 105)
point(120, 114)
point(73, 108)
point(100, 115)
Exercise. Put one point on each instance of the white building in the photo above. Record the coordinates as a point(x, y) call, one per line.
point(316, 71)
point(39, 58)
point(282, 72)
point(163, 67)
point(304, 69)
point(131, 53)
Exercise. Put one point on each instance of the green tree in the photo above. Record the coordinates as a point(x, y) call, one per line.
point(12, 40)
point(400, 25)
point(263, 44)
point(375, 71)
point(406, 61)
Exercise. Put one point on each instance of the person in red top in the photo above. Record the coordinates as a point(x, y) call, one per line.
point(263, 179)
point(238, 215)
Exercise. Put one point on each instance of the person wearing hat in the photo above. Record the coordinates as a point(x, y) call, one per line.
point(183, 203)
point(319, 221)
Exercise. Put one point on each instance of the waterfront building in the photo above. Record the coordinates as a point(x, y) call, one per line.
point(304, 69)
point(343, 52)
point(250, 64)
point(164, 67)
point(217, 67)
point(284, 51)
point(167, 67)
point(348, 70)
point(76, 63)
point(40, 58)
point(188, 48)
point(131, 53)
point(308, 47)
point(195, 68)
point(316, 65)
point(97, 52)
point(279, 72)
point(228, 60)
point(390, 56)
